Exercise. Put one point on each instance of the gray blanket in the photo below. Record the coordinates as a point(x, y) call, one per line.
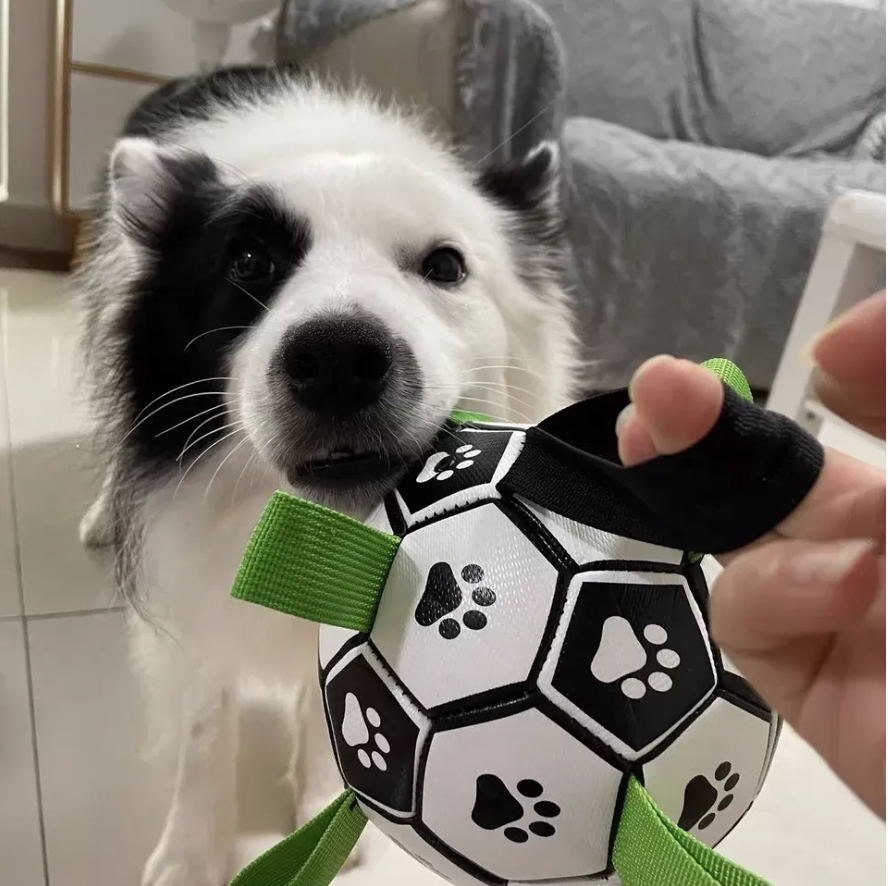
point(703, 141)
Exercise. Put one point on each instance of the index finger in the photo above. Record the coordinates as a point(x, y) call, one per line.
point(846, 501)
point(850, 358)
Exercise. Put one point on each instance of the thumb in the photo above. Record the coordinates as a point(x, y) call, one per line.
point(773, 595)
point(805, 623)
point(675, 403)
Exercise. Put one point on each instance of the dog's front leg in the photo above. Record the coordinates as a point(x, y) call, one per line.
point(198, 837)
point(313, 774)
point(96, 526)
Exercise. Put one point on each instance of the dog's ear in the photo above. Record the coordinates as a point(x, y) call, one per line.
point(530, 188)
point(145, 179)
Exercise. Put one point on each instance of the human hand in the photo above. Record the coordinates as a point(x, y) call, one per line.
point(802, 612)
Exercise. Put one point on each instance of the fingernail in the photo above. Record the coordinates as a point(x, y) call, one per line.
point(827, 385)
point(634, 444)
point(806, 355)
point(810, 349)
point(855, 315)
point(626, 414)
point(828, 563)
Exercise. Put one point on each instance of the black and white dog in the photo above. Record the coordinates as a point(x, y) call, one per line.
point(287, 286)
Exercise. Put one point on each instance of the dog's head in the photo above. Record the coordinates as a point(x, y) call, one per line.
point(317, 281)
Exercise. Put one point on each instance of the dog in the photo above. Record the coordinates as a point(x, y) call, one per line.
point(287, 285)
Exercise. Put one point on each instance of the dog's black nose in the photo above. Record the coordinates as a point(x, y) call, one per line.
point(338, 365)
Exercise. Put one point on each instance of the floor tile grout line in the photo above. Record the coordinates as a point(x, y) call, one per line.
point(74, 613)
point(67, 613)
point(16, 543)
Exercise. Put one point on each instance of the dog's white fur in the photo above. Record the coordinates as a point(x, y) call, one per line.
point(369, 180)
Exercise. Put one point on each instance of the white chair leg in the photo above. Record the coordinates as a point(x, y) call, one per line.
point(843, 272)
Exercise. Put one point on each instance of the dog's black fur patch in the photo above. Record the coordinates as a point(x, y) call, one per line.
point(177, 332)
point(201, 96)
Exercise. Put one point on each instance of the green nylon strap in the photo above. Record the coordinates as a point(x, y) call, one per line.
point(730, 375)
point(313, 855)
point(463, 417)
point(650, 850)
point(306, 560)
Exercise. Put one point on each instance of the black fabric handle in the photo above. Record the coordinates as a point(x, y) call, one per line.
point(747, 475)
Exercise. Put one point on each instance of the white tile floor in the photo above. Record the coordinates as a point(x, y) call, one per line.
point(69, 709)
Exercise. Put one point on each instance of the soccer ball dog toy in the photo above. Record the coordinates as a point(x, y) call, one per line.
point(515, 663)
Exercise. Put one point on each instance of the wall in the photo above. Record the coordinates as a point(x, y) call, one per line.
point(27, 219)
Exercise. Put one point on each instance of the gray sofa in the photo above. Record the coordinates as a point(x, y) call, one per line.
point(703, 140)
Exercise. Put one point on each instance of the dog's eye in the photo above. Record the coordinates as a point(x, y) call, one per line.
point(444, 266)
point(250, 264)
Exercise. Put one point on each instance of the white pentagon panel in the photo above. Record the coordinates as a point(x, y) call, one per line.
point(418, 849)
point(775, 728)
point(330, 640)
point(521, 798)
point(712, 569)
point(735, 685)
point(454, 627)
point(586, 544)
point(464, 469)
point(631, 658)
point(707, 778)
point(378, 732)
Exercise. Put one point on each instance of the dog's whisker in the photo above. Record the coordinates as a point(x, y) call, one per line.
point(519, 130)
point(189, 384)
point(253, 455)
point(258, 463)
point(220, 414)
point(511, 367)
point(246, 292)
point(518, 412)
point(450, 433)
point(510, 399)
point(504, 393)
point(222, 464)
point(209, 433)
point(507, 390)
point(138, 424)
point(213, 445)
point(210, 332)
point(221, 407)
point(195, 430)
point(489, 382)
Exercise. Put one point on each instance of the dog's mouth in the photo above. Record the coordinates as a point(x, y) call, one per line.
point(346, 467)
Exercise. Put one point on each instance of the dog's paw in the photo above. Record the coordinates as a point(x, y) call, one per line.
point(95, 527)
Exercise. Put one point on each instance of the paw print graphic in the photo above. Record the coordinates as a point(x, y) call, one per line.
point(357, 724)
point(496, 808)
point(622, 656)
point(443, 596)
point(443, 465)
point(703, 800)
